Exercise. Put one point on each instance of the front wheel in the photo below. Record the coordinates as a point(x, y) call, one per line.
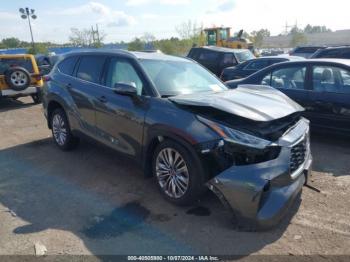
point(178, 174)
point(61, 132)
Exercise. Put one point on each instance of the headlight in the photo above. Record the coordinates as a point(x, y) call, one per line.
point(235, 136)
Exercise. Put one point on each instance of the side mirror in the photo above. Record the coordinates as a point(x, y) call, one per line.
point(126, 89)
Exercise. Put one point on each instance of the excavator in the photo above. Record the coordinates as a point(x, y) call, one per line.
point(221, 36)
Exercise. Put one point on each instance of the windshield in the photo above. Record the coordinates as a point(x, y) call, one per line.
point(244, 56)
point(180, 77)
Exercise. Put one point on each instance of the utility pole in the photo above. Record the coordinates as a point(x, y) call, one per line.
point(95, 36)
point(27, 13)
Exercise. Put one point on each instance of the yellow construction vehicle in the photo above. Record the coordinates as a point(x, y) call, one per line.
point(221, 36)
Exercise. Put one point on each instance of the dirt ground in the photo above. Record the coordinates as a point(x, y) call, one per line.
point(94, 201)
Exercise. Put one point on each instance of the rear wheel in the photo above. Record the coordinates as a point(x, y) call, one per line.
point(61, 132)
point(177, 173)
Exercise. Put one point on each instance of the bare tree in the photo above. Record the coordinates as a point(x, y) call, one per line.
point(148, 38)
point(80, 37)
point(188, 30)
point(86, 37)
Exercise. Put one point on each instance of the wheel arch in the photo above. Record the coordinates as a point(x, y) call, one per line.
point(155, 138)
point(51, 107)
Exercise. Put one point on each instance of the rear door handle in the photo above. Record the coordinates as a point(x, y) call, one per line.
point(69, 86)
point(102, 99)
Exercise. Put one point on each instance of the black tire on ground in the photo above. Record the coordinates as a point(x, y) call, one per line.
point(17, 78)
point(197, 176)
point(36, 98)
point(69, 142)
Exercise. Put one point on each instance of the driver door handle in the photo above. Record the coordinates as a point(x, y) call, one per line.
point(102, 99)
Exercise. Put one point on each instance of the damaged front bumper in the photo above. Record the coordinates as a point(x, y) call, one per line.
point(260, 194)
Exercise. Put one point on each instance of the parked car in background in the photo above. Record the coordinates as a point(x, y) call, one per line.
point(321, 86)
point(217, 58)
point(305, 51)
point(271, 52)
point(251, 66)
point(20, 76)
point(333, 52)
point(170, 114)
point(46, 62)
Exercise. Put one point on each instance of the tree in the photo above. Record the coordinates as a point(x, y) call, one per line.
point(136, 45)
point(309, 29)
point(86, 37)
point(257, 37)
point(188, 30)
point(80, 37)
point(148, 38)
point(298, 38)
point(11, 42)
point(39, 48)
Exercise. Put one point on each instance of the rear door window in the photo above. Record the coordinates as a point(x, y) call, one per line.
point(289, 78)
point(331, 79)
point(346, 54)
point(208, 56)
point(266, 80)
point(7, 63)
point(90, 68)
point(330, 54)
point(67, 65)
point(256, 65)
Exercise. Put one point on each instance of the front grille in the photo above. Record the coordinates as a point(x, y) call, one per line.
point(298, 154)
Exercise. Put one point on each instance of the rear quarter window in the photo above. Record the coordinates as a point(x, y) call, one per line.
point(67, 65)
point(208, 56)
point(7, 63)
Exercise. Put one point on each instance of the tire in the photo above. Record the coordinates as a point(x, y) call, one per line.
point(36, 98)
point(17, 78)
point(61, 132)
point(191, 182)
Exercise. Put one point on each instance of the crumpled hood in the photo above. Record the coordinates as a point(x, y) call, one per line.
point(258, 103)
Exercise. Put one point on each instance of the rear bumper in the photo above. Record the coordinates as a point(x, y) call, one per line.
point(28, 91)
point(260, 194)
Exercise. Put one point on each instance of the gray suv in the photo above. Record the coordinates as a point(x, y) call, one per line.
point(187, 130)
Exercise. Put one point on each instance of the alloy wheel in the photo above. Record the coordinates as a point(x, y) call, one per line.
point(59, 129)
point(172, 173)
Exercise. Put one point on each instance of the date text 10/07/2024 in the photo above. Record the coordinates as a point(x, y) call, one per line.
point(173, 258)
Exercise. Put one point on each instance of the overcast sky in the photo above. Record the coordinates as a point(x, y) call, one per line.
point(123, 20)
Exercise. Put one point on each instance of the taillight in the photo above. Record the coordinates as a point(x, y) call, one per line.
point(47, 78)
point(37, 77)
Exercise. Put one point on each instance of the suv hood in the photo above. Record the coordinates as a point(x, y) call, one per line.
point(258, 103)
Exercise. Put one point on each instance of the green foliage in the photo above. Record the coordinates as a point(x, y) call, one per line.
point(39, 48)
point(309, 29)
point(136, 45)
point(298, 38)
point(11, 42)
point(190, 35)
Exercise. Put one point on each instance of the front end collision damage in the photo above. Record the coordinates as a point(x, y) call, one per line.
point(260, 190)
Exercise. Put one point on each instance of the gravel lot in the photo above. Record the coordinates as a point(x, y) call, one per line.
point(94, 201)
